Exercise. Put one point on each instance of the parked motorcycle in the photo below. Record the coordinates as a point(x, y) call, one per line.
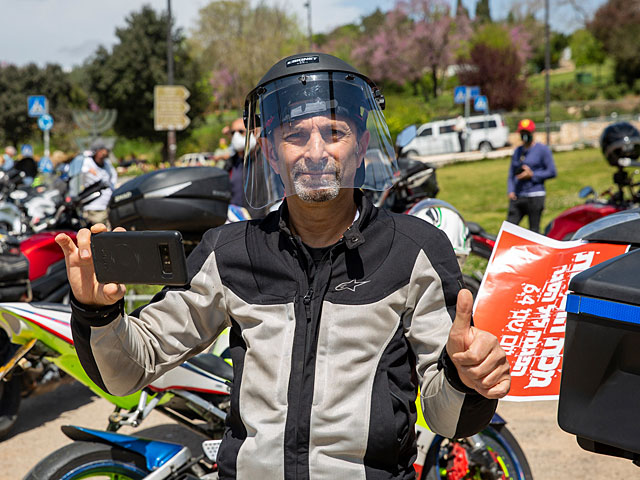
point(197, 394)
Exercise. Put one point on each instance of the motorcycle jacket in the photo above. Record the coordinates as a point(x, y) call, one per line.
point(326, 372)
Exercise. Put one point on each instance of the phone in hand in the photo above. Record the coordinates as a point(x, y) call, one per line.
point(140, 257)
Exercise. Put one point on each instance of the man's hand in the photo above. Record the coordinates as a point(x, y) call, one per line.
point(526, 173)
point(81, 273)
point(477, 355)
point(513, 196)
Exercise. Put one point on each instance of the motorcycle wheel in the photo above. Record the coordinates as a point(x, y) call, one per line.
point(502, 446)
point(9, 404)
point(87, 460)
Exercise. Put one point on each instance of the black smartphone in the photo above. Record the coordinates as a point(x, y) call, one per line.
point(140, 257)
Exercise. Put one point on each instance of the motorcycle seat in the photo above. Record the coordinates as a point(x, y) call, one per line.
point(213, 364)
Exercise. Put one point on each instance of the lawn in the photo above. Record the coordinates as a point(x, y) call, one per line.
point(479, 189)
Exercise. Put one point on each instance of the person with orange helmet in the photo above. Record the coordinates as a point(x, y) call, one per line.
point(531, 165)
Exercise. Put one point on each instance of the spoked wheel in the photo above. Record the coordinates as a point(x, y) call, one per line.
point(88, 460)
point(502, 459)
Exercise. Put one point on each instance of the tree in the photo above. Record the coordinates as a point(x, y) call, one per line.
point(586, 49)
point(494, 65)
point(418, 37)
point(238, 42)
point(483, 13)
point(17, 83)
point(124, 78)
point(617, 25)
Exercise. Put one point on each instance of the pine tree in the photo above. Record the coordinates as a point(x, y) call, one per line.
point(483, 13)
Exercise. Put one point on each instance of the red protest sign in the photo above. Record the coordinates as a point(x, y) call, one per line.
point(521, 301)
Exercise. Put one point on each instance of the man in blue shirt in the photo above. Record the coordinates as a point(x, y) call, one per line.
point(531, 164)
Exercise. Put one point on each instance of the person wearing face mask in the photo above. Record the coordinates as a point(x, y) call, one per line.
point(531, 165)
point(234, 165)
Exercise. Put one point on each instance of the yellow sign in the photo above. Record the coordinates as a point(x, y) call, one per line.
point(170, 107)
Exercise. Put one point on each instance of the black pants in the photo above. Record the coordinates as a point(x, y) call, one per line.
point(531, 207)
point(461, 140)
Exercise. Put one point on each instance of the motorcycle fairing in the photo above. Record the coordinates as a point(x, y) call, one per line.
point(156, 453)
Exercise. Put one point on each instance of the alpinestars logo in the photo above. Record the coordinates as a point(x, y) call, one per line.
point(350, 285)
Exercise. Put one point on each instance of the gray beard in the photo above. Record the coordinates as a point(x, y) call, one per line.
point(328, 191)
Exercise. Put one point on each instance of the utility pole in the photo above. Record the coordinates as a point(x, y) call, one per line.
point(171, 134)
point(547, 67)
point(308, 6)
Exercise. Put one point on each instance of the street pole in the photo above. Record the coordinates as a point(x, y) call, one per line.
point(171, 133)
point(547, 67)
point(46, 143)
point(308, 5)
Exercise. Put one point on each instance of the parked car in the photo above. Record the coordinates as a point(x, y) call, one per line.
point(199, 159)
point(484, 133)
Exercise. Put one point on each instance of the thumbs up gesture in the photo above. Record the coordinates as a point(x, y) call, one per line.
point(477, 355)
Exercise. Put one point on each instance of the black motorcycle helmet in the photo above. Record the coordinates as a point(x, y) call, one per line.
point(620, 140)
point(301, 87)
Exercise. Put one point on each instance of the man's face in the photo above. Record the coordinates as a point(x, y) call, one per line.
point(100, 155)
point(316, 156)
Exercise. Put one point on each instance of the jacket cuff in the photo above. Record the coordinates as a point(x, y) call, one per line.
point(96, 316)
point(451, 373)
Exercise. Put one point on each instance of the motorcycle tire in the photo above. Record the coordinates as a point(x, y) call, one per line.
point(502, 446)
point(9, 404)
point(87, 460)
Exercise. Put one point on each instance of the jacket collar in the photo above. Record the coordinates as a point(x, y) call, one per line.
point(353, 236)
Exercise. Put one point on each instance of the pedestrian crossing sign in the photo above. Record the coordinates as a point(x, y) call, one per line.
point(37, 105)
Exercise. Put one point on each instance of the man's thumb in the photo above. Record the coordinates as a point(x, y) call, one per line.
point(462, 322)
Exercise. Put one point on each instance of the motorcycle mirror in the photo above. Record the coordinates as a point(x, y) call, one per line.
point(406, 135)
point(586, 191)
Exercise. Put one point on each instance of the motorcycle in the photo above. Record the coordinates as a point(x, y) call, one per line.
point(197, 394)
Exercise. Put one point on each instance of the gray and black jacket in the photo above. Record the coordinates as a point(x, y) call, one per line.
point(325, 374)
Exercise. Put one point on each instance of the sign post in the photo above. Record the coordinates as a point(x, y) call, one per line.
point(45, 122)
point(464, 94)
point(169, 110)
point(37, 105)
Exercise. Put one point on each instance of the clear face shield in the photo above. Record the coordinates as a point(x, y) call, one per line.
point(315, 134)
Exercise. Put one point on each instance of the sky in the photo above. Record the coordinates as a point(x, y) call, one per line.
point(67, 32)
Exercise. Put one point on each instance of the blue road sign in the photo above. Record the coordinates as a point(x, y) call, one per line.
point(37, 105)
point(481, 103)
point(474, 91)
point(459, 94)
point(45, 122)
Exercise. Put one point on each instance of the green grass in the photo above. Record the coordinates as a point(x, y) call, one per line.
point(479, 189)
point(602, 75)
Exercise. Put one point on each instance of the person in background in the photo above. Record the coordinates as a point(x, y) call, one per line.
point(234, 165)
point(461, 128)
point(97, 167)
point(7, 159)
point(531, 165)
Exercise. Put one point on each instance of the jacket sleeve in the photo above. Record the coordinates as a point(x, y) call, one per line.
point(548, 169)
point(511, 177)
point(123, 353)
point(450, 408)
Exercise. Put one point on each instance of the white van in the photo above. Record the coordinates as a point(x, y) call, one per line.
point(484, 133)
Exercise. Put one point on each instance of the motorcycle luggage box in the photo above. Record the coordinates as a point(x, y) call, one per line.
point(188, 199)
point(600, 384)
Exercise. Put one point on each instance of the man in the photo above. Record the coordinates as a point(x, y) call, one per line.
point(96, 167)
point(461, 127)
point(234, 165)
point(7, 159)
point(531, 165)
point(338, 311)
